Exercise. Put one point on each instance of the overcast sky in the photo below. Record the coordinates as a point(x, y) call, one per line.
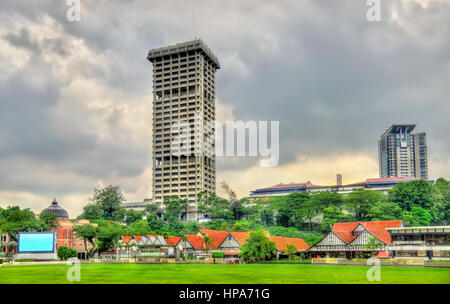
point(76, 97)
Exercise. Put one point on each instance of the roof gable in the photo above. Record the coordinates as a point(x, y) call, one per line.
point(217, 236)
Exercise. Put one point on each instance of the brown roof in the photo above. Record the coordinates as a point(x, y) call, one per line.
point(377, 229)
point(173, 240)
point(241, 237)
point(282, 242)
point(217, 236)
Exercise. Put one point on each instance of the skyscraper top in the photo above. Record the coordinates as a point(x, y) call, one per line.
point(192, 45)
point(395, 128)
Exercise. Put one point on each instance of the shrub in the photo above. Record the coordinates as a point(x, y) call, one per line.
point(218, 254)
point(64, 253)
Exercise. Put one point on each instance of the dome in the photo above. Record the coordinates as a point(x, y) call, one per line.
point(55, 209)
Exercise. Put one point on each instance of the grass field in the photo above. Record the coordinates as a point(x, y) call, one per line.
point(220, 274)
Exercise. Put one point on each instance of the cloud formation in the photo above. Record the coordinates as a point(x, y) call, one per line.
point(75, 97)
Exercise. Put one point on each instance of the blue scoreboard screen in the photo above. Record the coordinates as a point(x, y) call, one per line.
point(36, 242)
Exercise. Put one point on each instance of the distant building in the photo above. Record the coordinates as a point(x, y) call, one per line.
point(183, 97)
point(349, 239)
point(137, 206)
point(376, 184)
point(432, 242)
point(65, 235)
point(402, 153)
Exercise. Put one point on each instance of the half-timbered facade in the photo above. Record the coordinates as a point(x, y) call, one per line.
point(350, 239)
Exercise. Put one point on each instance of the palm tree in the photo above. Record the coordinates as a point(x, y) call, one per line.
point(207, 242)
point(373, 244)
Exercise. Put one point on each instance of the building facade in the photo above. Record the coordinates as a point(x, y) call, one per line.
point(402, 153)
point(431, 242)
point(183, 107)
point(348, 240)
point(375, 184)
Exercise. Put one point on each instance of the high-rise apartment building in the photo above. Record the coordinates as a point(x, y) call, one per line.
point(402, 153)
point(183, 104)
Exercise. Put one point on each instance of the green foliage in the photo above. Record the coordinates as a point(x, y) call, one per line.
point(217, 254)
point(246, 225)
point(359, 203)
point(217, 225)
point(309, 237)
point(258, 247)
point(174, 207)
point(87, 233)
point(413, 193)
point(440, 211)
point(287, 207)
point(107, 236)
point(106, 204)
point(291, 251)
point(214, 207)
point(331, 216)
point(132, 216)
point(190, 228)
point(372, 244)
point(65, 253)
point(417, 217)
point(384, 211)
point(48, 221)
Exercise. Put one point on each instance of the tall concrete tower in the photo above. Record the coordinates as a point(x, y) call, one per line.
point(402, 153)
point(183, 103)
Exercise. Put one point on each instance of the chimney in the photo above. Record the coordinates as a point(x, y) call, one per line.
point(339, 179)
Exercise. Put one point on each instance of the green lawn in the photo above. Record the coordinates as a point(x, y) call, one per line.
point(246, 274)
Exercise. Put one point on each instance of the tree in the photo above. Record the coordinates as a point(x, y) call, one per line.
point(174, 207)
point(107, 236)
point(440, 211)
point(418, 216)
point(290, 251)
point(307, 212)
point(413, 193)
point(258, 247)
point(132, 216)
point(372, 244)
point(236, 205)
point(207, 242)
point(109, 200)
point(15, 220)
point(332, 215)
point(65, 253)
point(87, 233)
point(190, 228)
point(155, 223)
point(325, 199)
point(358, 203)
point(48, 221)
point(287, 206)
point(385, 211)
point(214, 207)
point(91, 212)
point(141, 228)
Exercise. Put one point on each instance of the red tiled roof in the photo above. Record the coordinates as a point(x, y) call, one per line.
point(217, 236)
point(137, 238)
point(377, 229)
point(173, 240)
point(282, 242)
point(292, 185)
point(196, 241)
point(126, 239)
point(241, 237)
point(382, 255)
point(231, 252)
